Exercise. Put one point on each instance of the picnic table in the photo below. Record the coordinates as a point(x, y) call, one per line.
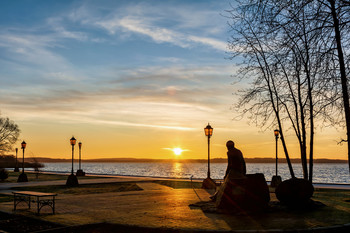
point(41, 199)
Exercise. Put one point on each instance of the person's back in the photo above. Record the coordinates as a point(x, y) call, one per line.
point(235, 159)
point(236, 164)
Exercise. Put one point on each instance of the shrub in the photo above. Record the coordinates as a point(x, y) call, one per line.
point(3, 174)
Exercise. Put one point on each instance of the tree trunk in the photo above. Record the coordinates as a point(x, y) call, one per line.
point(307, 66)
point(302, 137)
point(286, 154)
point(311, 110)
point(344, 82)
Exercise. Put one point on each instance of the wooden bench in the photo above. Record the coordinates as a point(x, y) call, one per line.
point(41, 199)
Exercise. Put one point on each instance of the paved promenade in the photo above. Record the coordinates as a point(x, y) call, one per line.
point(156, 206)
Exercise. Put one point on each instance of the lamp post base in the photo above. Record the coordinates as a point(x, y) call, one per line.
point(22, 177)
point(208, 183)
point(72, 180)
point(80, 172)
point(276, 180)
point(16, 169)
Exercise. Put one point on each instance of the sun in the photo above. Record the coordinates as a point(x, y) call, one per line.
point(177, 151)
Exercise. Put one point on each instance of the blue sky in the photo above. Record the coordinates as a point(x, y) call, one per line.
point(155, 72)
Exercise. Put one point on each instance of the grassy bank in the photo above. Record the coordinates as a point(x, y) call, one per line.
point(83, 188)
point(32, 176)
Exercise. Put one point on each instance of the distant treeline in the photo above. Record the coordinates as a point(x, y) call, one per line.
point(214, 160)
point(9, 161)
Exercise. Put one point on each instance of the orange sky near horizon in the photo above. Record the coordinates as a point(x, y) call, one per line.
point(117, 142)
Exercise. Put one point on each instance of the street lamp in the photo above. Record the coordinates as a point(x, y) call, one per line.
point(72, 142)
point(80, 171)
point(72, 179)
point(23, 177)
point(276, 180)
point(208, 183)
point(16, 166)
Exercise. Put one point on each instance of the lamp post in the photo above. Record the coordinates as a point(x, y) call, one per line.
point(79, 155)
point(276, 132)
point(16, 166)
point(72, 142)
point(208, 183)
point(23, 177)
point(72, 179)
point(276, 180)
point(80, 171)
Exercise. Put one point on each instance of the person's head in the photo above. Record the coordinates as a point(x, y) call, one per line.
point(230, 144)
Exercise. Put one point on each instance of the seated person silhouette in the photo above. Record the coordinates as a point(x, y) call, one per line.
point(235, 163)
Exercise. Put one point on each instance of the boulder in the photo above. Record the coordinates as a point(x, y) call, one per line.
point(208, 183)
point(294, 192)
point(275, 181)
point(241, 193)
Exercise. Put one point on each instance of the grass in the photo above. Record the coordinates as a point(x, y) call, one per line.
point(5, 198)
point(176, 184)
point(337, 209)
point(338, 195)
point(32, 176)
point(83, 188)
point(79, 190)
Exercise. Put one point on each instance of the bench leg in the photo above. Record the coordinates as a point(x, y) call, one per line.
point(14, 202)
point(37, 201)
point(53, 205)
point(18, 198)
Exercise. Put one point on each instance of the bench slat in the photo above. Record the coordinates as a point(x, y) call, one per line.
point(31, 193)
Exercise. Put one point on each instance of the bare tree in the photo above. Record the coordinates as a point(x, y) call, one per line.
point(283, 54)
point(262, 99)
point(9, 132)
point(330, 21)
point(334, 20)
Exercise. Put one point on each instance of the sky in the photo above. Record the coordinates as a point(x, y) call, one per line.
point(128, 79)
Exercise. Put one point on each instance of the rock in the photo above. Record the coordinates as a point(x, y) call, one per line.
point(208, 183)
point(241, 193)
point(275, 181)
point(294, 191)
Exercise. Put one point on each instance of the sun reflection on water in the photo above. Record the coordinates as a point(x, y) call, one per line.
point(177, 170)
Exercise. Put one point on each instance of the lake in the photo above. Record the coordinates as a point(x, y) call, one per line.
point(323, 172)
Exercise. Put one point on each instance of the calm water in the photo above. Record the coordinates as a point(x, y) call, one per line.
point(323, 173)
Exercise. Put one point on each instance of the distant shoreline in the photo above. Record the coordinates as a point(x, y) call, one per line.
point(215, 160)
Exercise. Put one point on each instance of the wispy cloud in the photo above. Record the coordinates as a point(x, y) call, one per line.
point(160, 23)
point(158, 34)
point(210, 41)
point(29, 55)
point(124, 123)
